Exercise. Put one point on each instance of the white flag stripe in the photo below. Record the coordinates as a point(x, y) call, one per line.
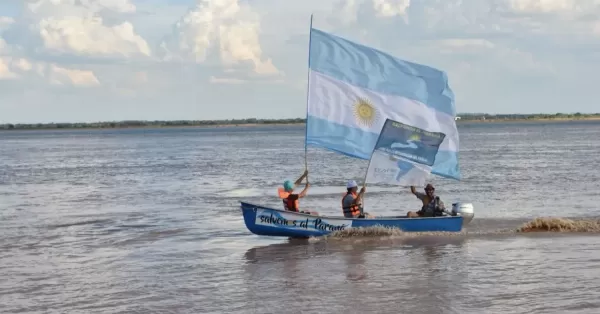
point(383, 169)
point(334, 100)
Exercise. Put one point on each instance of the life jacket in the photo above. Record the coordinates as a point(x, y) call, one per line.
point(354, 209)
point(288, 203)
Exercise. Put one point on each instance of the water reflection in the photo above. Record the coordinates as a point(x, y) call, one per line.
point(438, 274)
point(424, 275)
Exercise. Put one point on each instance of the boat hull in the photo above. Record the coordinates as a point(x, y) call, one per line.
point(267, 221)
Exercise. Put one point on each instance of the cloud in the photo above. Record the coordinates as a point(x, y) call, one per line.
point(89, 36)
point(223, 29)
point(14, 68)
point(217, 80)
point(389, 8)
point(572, 18)
point(74, 77)
point(59, 6)
point(67, 27)
point(552, 6)
point(79, 28)
point(3, 46)
point(5, 72)
point(466, 43)
point(5, 22)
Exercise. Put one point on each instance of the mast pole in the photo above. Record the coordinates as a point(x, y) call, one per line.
point(307, 99)
point(365, 183)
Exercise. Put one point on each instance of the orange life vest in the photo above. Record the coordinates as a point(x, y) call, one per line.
point(288, 203)
point(354, 209)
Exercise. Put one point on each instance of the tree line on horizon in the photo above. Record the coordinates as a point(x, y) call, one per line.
point(235, 122)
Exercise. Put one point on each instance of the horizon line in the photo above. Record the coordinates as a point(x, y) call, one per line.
point(208, 122)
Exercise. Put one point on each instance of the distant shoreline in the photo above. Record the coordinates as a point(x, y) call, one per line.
point(464, 119)
point(531, 120)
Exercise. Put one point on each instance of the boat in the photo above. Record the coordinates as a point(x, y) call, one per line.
point(406, 129)
point(267, 221)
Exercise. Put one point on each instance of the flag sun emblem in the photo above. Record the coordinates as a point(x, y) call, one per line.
point(415, 137)
point(364, 112)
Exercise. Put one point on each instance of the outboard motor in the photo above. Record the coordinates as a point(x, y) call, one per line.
point(465, 210)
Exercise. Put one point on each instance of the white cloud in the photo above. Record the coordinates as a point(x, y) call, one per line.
point(226, 27)
point(6, 21)
point(217, 80)
point(239, 42)
point(79, 27)
point(89, 36)
point(15, 67)
point(568, 17)
point(20, 68)
point(3, 46)
point(466, 43)
point(5, 72)
point(347, 11)
point(56, 6)
point(61, 76)
point(552, 6)
point(389, 8)
point(22, 65)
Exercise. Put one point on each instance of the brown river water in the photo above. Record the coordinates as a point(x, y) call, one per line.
point(148, 221)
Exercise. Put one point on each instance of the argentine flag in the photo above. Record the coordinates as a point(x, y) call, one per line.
point(354, 89)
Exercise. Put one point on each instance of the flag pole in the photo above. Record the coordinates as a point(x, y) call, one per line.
point(365, 182)
point(307, 99)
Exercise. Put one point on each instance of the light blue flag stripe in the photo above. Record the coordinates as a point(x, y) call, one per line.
point(337, 138)
point(375, 70)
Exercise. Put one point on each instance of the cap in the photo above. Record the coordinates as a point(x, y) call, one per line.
point(288, 185)
point(351, 184)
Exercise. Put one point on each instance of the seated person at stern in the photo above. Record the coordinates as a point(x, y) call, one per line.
point(432, 205)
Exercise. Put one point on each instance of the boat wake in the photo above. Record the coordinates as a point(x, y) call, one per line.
point(539, 225)
point(557, 224)
point(384, 232)
point(367, 232)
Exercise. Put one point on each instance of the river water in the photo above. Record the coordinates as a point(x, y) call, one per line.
point(148, 221)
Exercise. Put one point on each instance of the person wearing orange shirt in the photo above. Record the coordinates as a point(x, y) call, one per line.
point(290, 199)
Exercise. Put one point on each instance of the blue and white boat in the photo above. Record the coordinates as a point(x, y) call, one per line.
point(266, 221)
point(366, 104)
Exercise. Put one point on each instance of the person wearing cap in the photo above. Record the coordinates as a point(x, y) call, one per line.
point(291, 199)
point(351, 202)
point(432, 205)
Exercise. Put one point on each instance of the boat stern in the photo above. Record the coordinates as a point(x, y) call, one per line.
point(465, 210)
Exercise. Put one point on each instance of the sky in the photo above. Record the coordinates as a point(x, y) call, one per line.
point(107, 60)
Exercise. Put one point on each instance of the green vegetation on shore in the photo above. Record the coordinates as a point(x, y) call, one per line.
point(240, 122)
point(151, 124)
point(531, 117)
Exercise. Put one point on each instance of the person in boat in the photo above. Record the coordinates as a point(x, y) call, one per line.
point(432, 205)
point(291, 199)
point(352, 201)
